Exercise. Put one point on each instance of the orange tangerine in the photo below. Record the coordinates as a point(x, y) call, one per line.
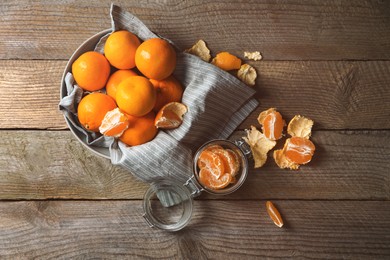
point(120, 48)
point(155, 58)
point(299, 150)
point(115, 79)
point(167, 90)
point(92, 110)
point(226, 61)
point(140, 130)
point(136, 96)
point(209, 180)
point(91, 71)
point(114, 123)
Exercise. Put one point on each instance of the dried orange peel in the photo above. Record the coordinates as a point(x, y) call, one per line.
point(256, 55)
point(260, 145)
point(300, 126)
point(247, 74)
point(170, 116)
point(200, 49)
point(226, 61)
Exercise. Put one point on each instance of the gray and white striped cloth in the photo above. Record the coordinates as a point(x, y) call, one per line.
point(217, 103)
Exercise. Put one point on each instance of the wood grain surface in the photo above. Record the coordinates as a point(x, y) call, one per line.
point(335, 94)
point(54, 165)
point(328, 60)
point(282, 30)
point(218, 229)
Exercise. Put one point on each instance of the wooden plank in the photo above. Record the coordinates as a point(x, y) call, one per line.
point(286, 30)
point(52, 164)
point(336, 95)
point(219, 229)
point(45, 165)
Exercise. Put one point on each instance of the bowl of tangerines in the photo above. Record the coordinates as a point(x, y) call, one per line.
point(128, 91)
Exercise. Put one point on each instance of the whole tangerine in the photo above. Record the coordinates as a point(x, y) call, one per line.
point(91, 71)
point(115, 79)
point(155, 58)
point(140, 130)
point(93, 108)
point(136, 96)
point(168, 90)
point(120, 48)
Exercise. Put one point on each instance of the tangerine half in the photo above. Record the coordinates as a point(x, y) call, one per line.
point(299, 150)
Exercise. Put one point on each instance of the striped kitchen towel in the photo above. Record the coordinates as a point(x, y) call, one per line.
point(217, 103)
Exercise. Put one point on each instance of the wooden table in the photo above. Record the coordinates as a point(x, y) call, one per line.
point(328, 60)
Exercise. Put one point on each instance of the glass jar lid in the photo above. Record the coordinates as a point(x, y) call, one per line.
point(167, 205)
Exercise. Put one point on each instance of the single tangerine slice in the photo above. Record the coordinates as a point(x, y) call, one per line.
point(114, 123)
point(209, 180)
point(274, 214)
point(229, 161)
point(211, 161)
point(299, 150)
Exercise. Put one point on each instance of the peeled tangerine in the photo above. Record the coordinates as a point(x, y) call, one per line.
point(218, 167)
point(170, 116)
point(298, 149)
point(260, 145)
point(272, 124)
point(114, 123)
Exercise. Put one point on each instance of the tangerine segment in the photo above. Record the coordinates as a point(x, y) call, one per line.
point(229, 161)
point(114, 123)
point(120, 49)
point(272, 123)
point(236, 161)
point(213, 147)
point(155, 58)
point(226, 61)
point(92, 110)
point(91, 71)
point(299, 150)
point(209, 180)
point(170, 116)
point(211, 161)
point(274, 214)
point(115, 79)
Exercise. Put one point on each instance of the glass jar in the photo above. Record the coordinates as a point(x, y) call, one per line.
point(168, 204)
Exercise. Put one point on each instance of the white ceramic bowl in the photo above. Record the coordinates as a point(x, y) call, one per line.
point(88, 45)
